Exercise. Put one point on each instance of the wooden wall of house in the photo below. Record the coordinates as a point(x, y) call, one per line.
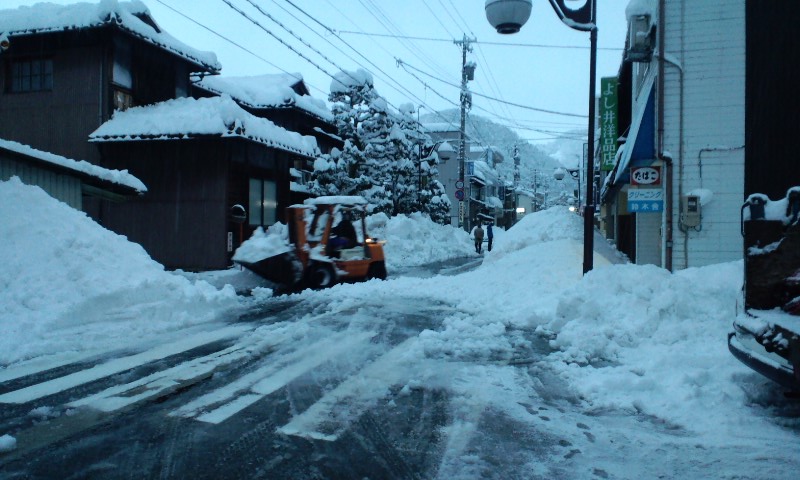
point(181, 219)
point(772, 125)
point(60, 186)
point(59, 120)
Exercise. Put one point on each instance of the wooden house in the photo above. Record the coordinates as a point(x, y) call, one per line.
point(214, 174)
point(285, 100)
point(65, 179)
point(67, 68)
point(105, 83)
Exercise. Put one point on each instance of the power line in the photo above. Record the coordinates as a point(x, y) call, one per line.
point(227, 39)
point(386, 21)
point(404, 65)
point(507, 44)
point(333, 32)
point(255, 22)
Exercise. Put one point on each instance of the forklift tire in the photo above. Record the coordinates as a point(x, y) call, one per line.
point(376, 270)
point(319, 276)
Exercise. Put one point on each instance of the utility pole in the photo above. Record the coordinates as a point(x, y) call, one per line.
point(467, 73)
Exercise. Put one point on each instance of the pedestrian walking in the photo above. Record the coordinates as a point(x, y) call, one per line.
point(478, 234)
point(489, 235)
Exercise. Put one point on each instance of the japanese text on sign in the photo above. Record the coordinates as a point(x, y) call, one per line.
point(646, 176)
point(643, 200)
point(609, 122)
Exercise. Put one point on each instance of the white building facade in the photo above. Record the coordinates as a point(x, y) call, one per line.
point(687, 118)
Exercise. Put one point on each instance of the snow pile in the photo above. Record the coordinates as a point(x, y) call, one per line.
point(263, 244)
point(556, 223)
point(624, 337)
point(62, 286)
point(414, 240)
point(652, 341)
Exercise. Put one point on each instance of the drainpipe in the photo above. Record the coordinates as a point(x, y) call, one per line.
point(665, 157)
point(667, 160)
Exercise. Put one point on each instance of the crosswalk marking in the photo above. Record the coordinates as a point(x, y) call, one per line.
point(276, 374)
point(118, 365)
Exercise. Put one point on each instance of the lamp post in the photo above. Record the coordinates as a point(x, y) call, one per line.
point(508, 16)
point(575, 173)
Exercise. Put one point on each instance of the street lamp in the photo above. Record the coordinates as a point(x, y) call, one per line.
point(508, 16)
point(575, 173)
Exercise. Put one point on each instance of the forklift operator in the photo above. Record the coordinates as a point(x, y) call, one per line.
point(344, 234)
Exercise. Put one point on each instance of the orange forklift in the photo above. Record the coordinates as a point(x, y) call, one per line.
point(317, 257)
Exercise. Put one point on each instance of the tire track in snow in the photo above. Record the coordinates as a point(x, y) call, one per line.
point(332, 415)
point(217, 406)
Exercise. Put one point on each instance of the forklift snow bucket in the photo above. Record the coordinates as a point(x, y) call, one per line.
point(283, 269)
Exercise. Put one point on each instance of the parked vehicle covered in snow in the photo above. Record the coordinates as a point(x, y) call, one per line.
point(766, 337)
point(324, 242)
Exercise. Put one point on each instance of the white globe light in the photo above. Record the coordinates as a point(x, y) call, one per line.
point(508, 16)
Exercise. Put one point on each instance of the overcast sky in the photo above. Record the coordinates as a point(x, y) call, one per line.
point(537, 72)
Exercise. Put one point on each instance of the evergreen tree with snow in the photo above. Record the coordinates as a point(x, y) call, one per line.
point(381, 156)
point(343, 172)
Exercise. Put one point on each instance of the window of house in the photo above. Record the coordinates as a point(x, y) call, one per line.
point(263, 202)
point(32, 75)
point(122, 100)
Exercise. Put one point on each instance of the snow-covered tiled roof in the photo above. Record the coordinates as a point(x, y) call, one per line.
point(120, 177)
point(188, 117)
point(266, 91)
point(132, 17)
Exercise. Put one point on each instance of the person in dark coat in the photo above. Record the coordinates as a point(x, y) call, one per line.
point(478, 233)
point(343, 235)
point(489, 235)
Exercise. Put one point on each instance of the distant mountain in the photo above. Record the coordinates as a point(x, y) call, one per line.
point(537, 162)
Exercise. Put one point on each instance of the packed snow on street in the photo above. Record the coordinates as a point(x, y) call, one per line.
point(635, 379)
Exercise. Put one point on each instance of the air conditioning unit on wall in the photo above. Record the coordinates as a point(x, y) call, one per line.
point(641, 39)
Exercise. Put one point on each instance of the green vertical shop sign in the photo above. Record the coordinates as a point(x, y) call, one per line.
point(609, 122)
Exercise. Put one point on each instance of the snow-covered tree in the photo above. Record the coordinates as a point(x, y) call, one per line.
point(381, 156)
point(343, 172)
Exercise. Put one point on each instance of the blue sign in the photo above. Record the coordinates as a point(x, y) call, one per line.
point(459, 194)
point(642, 206)
point(645, 200)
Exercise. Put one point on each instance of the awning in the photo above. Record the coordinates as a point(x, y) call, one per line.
point(640, 147)
point(478, 181)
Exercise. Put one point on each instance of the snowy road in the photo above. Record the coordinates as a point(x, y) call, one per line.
point(306, 392)
point(302, 394)
point(380, 383)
